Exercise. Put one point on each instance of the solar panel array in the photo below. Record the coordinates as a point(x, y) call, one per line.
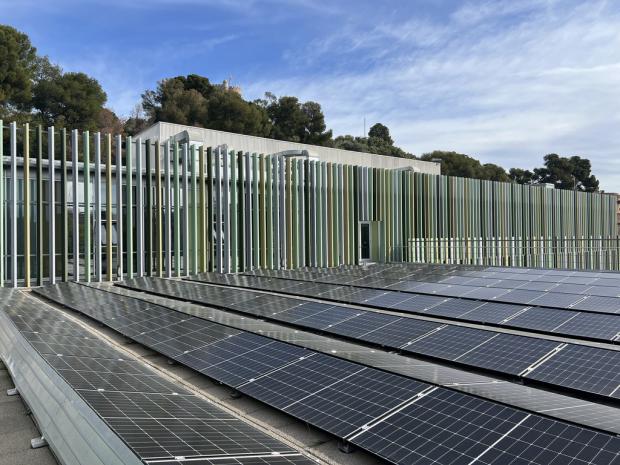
point(564, 322)
point(512, 355)
point(363, 405)
point(585, 291)
point(157, 419)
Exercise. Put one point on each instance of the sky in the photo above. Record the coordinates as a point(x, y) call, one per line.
point(503, 81)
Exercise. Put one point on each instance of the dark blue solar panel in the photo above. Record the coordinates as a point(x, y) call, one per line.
point(363, 323)
point(443, 427)
point(508, 353)
point(541, 319)
point(449, 342)
point(400, 332)
point(492, 312)
point(588, 369)
point(595, 325)
point(541, 441)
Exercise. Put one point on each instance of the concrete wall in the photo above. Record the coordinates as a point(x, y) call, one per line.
point(212, 138)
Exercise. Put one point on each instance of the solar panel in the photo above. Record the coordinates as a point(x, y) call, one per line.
point(541, 319)
point(271, 459)
point(556, 299)
point(45, 344)
point(302, 311)
point(443, 427)
point(295, 381)
point(150, 437)
point(354, 401)
point(585, 368)
point(388, 299)
point(337, 396)
point(492, 312)
point(485, 293)
point(157, 418)
point(363, 323)
point(598, 304)
point(508, 353)
point(400, 332)
point(540, 441)
point(594, 325)
point(419, 303)
point(327, 318)
point(241, 357)
point(449, 342)
point(454, 308)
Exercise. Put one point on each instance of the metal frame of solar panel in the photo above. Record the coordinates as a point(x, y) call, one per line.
point(441, 343)
point(596, 326)
point(156, 418)
point(357, 401)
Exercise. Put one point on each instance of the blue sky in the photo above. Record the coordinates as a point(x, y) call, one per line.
point(504, 81)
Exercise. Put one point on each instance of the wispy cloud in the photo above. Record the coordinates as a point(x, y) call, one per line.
point(505, 81)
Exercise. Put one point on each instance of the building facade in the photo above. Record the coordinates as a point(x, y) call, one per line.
point(173, 207)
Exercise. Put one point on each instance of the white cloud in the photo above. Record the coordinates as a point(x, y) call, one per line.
point(507, 82)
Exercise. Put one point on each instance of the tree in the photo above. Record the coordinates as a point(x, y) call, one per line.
point(378, 141)
point(380, 132)
point(521, 176)
point(456, 164)
point(136, 121)
point(71, 99)
point(567, 173)
point(108, 122)
point(18, 61)
point(315, 128)
point(229, 112)
point(493, 172)
point(295, 121)
point(192, 100)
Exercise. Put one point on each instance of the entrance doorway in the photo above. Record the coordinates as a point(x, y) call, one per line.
point(364, 241)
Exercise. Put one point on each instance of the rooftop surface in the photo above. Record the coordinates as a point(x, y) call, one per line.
point(400, 363)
